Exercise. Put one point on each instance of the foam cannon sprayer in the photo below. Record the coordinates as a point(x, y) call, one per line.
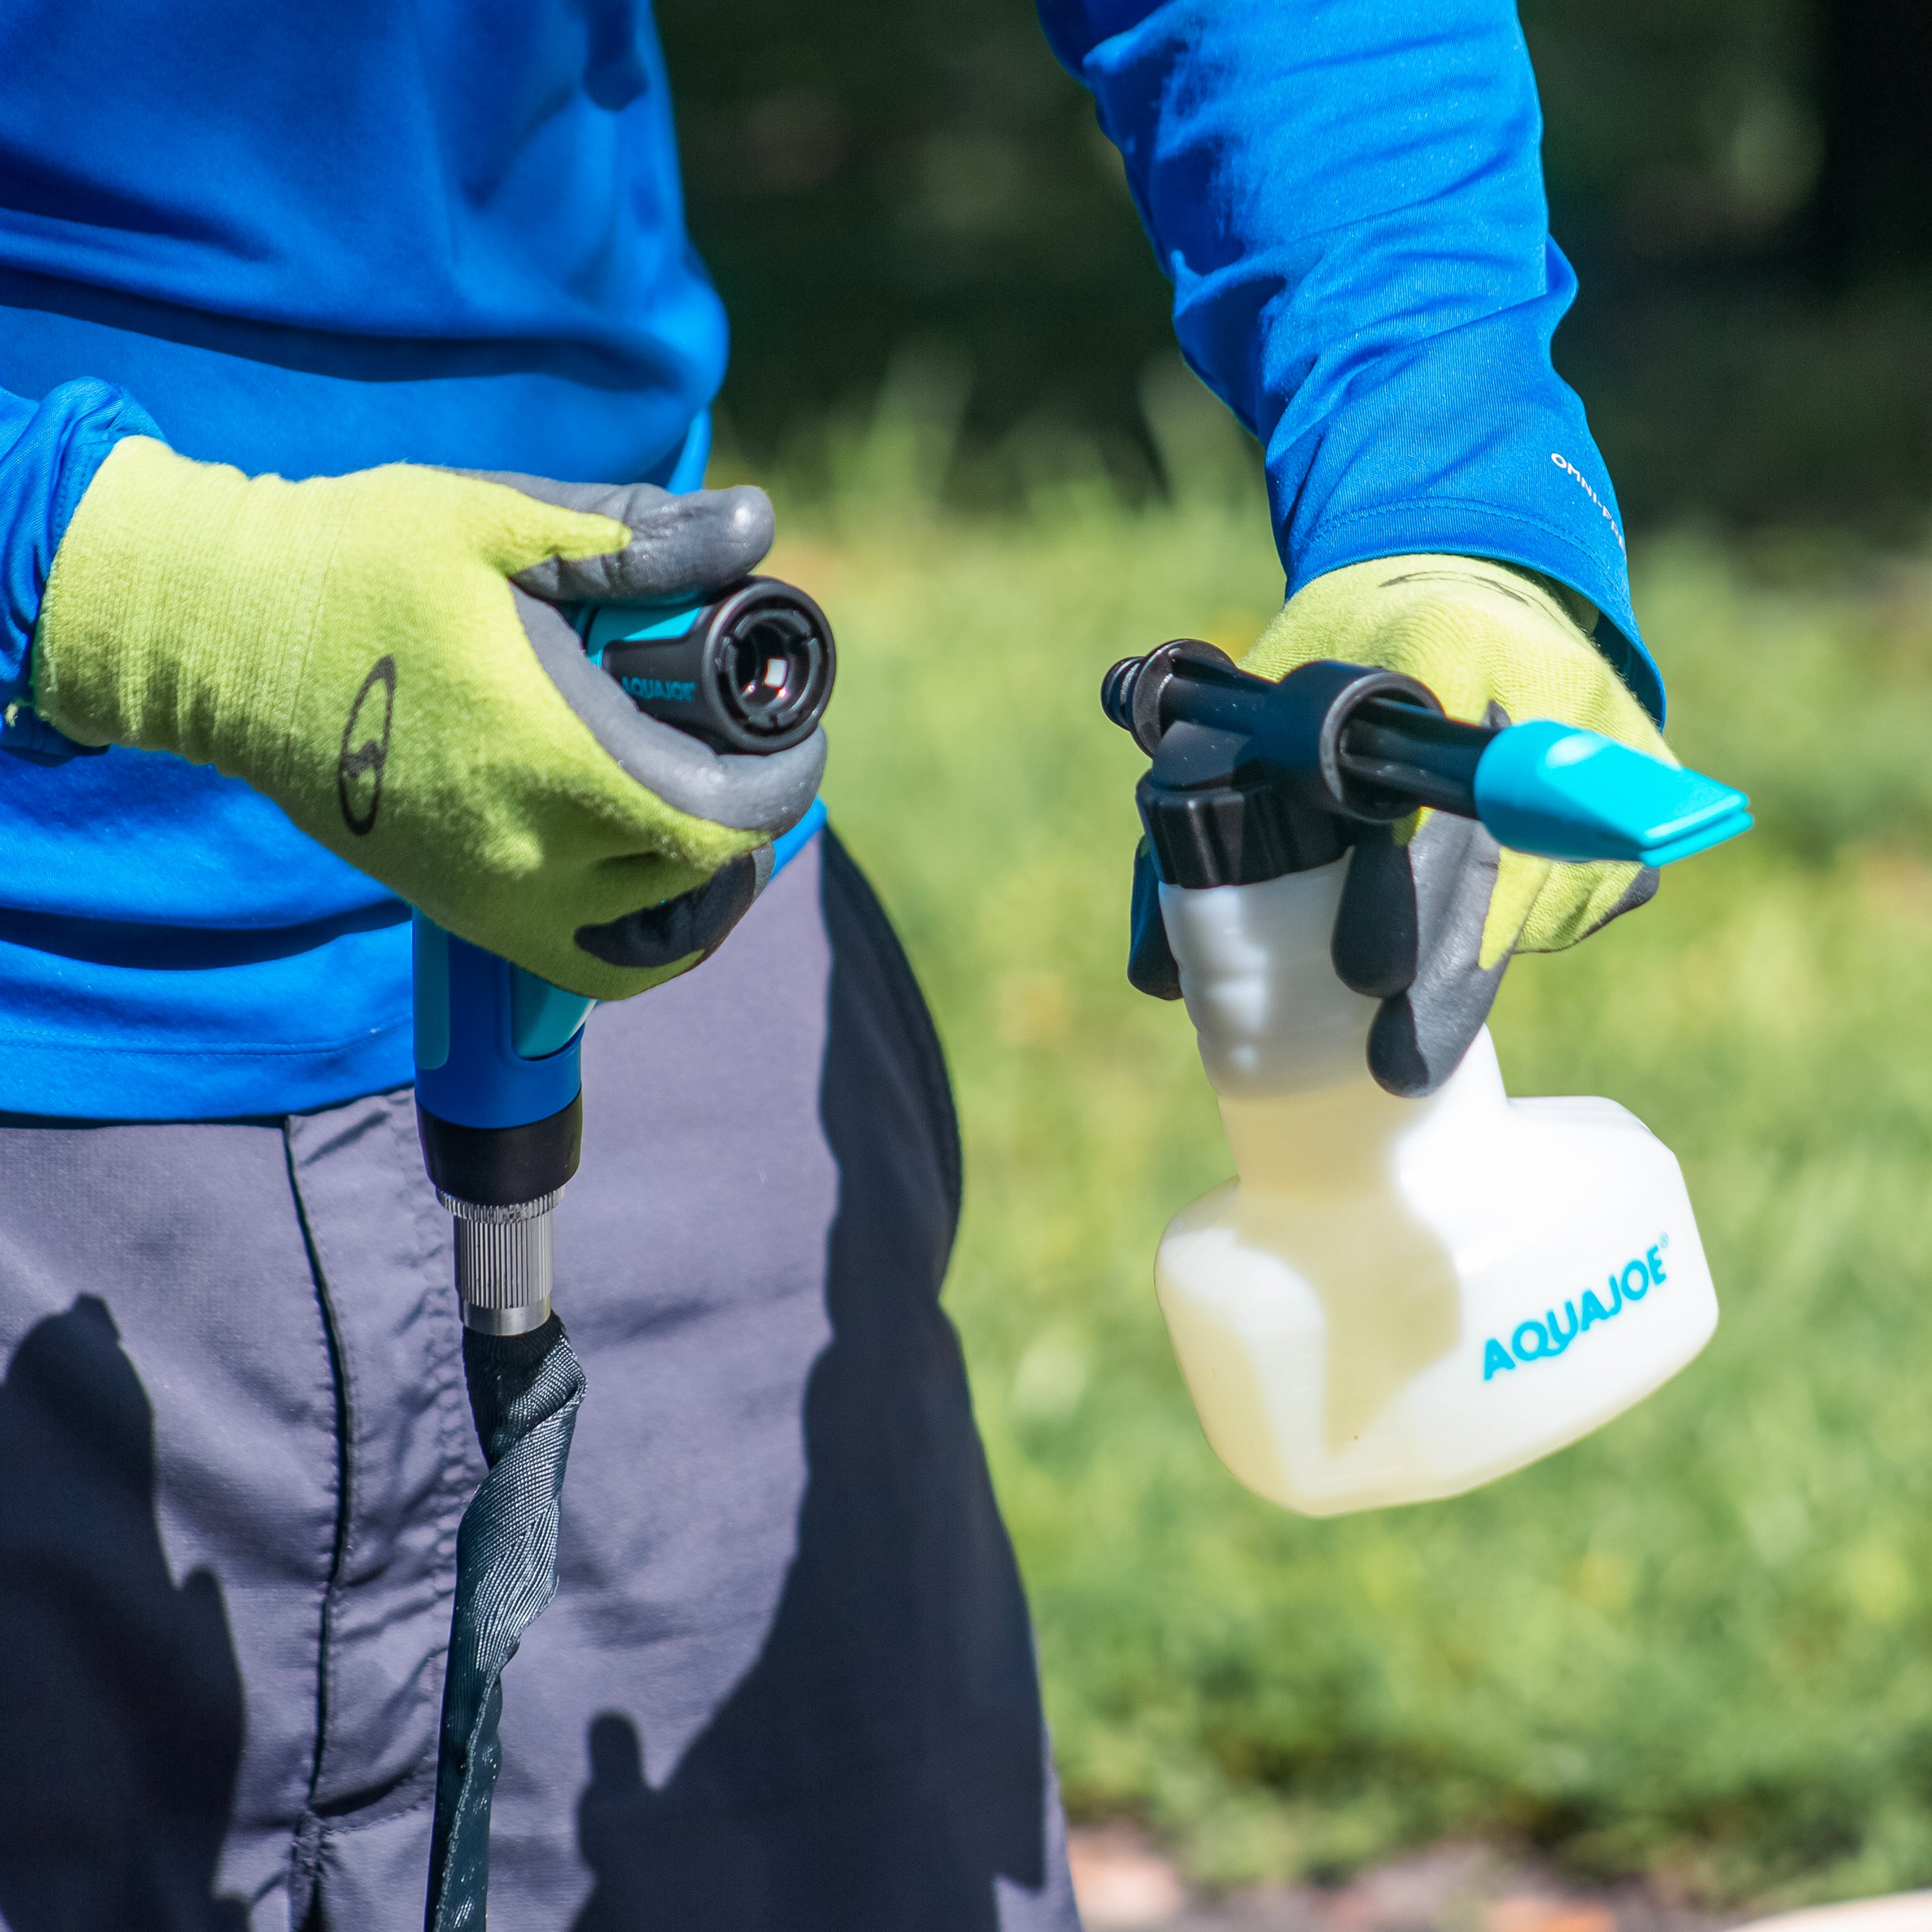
point(1396, 1298)
point(499, 1109)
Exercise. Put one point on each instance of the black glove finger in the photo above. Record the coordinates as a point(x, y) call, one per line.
point(1376, 943)
point(698, 921)
point(684, 546)
point(1419, 1036)
point(1150, 962)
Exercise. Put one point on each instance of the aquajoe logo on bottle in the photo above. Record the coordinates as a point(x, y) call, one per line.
point(1542, 1340)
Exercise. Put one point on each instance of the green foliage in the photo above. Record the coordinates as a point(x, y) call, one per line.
point(1674, 128)
point(1698, 1643)
point(866, 174)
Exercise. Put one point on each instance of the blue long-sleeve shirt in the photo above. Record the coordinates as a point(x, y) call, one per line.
point(449, 231)
point(1348, 197)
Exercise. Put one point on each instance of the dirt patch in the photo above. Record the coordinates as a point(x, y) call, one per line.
point(1125, 1884)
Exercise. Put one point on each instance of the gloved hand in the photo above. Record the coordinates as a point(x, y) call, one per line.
point(1432, 908)
point(381, 655)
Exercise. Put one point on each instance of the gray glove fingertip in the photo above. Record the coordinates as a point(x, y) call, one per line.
point(768, 794)
point(1639, 892)
point(1412, 1052)
point(1395, 1056)
point(687, 546)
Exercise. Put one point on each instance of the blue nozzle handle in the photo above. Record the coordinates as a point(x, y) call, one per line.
point(496, 1046)
point(1562, 793)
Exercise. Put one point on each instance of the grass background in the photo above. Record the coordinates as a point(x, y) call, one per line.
point(1695, 1645)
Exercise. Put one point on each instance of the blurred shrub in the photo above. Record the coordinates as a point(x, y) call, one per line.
point(1675, 130)
point(866, 173)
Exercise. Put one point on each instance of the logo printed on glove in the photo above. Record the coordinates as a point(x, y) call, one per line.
point(359, 768)
point(1543, 1341)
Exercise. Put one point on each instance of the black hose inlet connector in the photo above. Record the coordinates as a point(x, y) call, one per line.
point(1251, 779)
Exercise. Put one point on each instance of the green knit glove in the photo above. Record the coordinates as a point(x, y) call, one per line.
point(1433, 909)
point(354, 647)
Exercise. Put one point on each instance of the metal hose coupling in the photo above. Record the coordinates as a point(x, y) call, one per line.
point(504, 1262)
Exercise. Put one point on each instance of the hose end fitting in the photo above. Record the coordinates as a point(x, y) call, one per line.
point(505, 1262)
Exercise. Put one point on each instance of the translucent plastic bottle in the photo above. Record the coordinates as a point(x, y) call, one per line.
point(1401, 1299)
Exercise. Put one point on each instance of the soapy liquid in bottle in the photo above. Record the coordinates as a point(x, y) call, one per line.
point(1402, 1299)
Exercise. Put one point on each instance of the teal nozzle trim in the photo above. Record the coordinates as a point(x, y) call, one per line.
point(544, 1018)
point(602, 625)
point(1560, 793)
point(430, 988)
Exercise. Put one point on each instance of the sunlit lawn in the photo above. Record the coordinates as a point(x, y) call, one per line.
point(1699, 1643)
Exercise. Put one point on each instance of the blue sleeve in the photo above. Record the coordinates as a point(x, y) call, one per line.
point(49, 453)
point(1348, 197)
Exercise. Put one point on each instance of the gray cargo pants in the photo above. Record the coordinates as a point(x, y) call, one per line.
point(788, 1682)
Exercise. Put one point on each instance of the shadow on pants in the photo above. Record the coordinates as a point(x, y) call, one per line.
point(882, 1766)
point(121, 1714)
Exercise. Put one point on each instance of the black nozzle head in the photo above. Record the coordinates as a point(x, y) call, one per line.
point(1307, 723)
point(753, 672)
point(771, 660)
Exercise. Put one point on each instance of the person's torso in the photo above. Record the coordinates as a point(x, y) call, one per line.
point(306, 241)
